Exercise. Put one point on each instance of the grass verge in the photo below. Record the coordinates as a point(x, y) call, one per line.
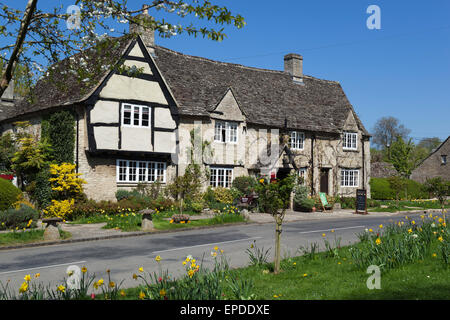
point(30, 236)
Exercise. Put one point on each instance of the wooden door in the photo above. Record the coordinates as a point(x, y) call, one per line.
point(324, 180)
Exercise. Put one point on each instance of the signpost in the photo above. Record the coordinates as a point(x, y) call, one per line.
point(361, 201)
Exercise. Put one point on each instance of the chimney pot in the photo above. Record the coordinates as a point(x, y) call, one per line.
point(293, 64)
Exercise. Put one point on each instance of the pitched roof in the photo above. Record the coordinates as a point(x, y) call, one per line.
point(61, 87)
point(267, 97)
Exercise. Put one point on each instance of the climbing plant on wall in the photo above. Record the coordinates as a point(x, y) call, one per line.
point(59, 129)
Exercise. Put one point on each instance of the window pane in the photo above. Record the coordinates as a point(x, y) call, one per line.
point(136, 115)
point(142, 168)
point(213, 177)
point(145, 117)
point(218, 131)
point(132, 171)
point(151, 171)
point(126, 114)
point(122, 170)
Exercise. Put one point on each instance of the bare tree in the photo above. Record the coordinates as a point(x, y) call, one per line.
point(386, 131)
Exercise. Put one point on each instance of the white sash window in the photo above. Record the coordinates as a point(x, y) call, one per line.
point(140, 171)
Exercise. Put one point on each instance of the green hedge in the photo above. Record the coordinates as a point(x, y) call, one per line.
point(8, 194)
point(18, 218)
point(380, 190)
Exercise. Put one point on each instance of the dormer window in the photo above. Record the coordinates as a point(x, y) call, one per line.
point(349, 141)
point(135, 115)
point(225, 132)
point(297, 140)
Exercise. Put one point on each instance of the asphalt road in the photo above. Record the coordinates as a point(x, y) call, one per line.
point(123, 256)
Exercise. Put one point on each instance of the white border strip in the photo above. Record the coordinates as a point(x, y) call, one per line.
point(206, 244)
point(333, 229)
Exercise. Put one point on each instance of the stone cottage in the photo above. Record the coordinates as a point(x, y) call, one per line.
point(135, 128)
point(435, 165)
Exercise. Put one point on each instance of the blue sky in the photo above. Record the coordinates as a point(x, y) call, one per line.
point(402, 70)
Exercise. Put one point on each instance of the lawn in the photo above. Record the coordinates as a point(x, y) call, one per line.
point(22, 237)
point(132, 221)
point(413, 257)
point(408, 205)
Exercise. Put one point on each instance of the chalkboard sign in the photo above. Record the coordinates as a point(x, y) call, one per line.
point(361, 201)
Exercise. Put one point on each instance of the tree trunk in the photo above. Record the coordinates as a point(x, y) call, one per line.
point(278, 222)
point(9, 70)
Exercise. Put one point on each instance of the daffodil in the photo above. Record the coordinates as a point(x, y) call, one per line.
point(24, 287)
point(141, 269)
point(61, 288)
point(158, 258)
point(162, 292)
point(27, 277)
point(378, 241)
point(141, 295)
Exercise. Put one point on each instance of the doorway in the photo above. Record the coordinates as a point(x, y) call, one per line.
point(324, 180)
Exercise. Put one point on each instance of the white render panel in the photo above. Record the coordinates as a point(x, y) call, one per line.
point(122, 87)
point(106, 137)
point(136, 139)
point(165, 142)
point(105, 112)
point(136, 51)
point(139, 64)
point(163, 118)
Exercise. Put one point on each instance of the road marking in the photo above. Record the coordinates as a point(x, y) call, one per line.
point(43, 267)
point(206, 244)
point(333, 229)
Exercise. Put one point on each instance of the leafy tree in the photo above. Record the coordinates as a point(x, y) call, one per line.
point(31, 155)
point(33, 34)
point(440, 189)
point(386, 131)
point(429, 144)
point(400, 156)
point(397, 184)
point(7, 150)
point(274, 198)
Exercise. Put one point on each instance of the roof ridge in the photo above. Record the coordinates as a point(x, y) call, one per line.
point(239, 65)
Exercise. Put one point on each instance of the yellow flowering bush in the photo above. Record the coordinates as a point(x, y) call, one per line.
point(59, 209)
point(65, 181)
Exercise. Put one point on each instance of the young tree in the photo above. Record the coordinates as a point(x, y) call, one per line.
point(440, 189)
point(400, 156)
point(34, 34)
point(274, 198)
point(397, 184)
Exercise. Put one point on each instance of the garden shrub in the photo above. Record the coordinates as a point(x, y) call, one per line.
point(122, 194)
point(59, 209)
point(208, 196)
point(223, 195)
point(245, 184)
point(24, 217)
point(8, 194)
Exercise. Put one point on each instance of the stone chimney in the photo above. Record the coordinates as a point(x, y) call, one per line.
point(293, 64)
point(147, 34)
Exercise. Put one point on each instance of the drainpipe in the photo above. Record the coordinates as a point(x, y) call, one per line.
point(363, 165)
point(313, 138)
point(77, 118)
